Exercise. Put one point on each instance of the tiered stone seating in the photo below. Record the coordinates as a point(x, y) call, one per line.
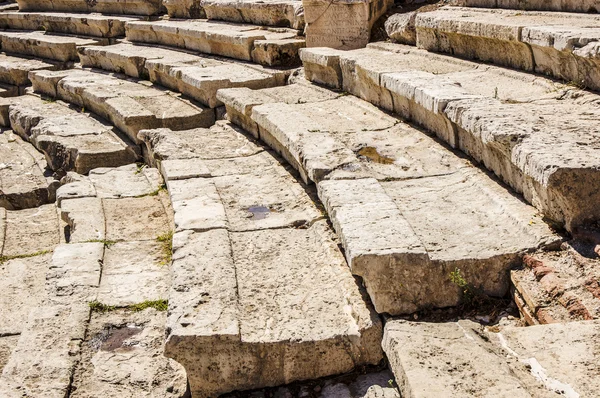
point(132, 7)
point(283, 13)
point(14, 73)
point(43, 45)
point(537, 136)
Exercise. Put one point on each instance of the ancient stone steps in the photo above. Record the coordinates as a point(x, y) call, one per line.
point(24, 178)
point(69, 139)
point(8, 6)
point(586, 6)
point(128, 104)
point(246, 233)
point(561, 45)
point(269, 47)
point(95, 25)
point(132, 7)
point(14, 71)
point(197, 76)
point(282, 13)
point(44, 45)
point(459, 359)
point(399, 201)
point(538, 136)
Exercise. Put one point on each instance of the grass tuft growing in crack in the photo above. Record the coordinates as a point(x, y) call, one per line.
point(4, 259)
point(97, 306)
point(166, 241)
point(106, 243)
point(159, 305)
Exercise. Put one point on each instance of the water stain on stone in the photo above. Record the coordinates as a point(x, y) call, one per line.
point(373, 155)
point(259, 212)
point(113, 338)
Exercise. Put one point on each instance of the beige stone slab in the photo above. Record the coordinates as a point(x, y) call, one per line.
point(560, 45)
point(22, 282)
point(134, 272)
point(587, 6)
point(134, 219)
point(15, 70)
point(95, 25)
point(75, 186)
point(31, 231)
point(447, 359)
point(131, 7)
point(43, 45)
point(86, 219)
point(282, 13)
point(185, 8)
point(7, 345)
point(345, 25)
point(23, 176)
point(219, 38)
point(282, 325)
point(123, 356)
point(128, 181)
point(128, 104)
point(70, 140)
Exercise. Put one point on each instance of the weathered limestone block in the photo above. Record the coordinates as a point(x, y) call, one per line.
point(31, 231)
point(457, 358)
point(23, 175)
point(95, 25)
point(15, 70)
point(195, 76)
point(185, 8)
point(401, 28)
point(128, 104)
point(344, 25)
point(278, 47)
point(316, 320)
point(132, 7)
point(585, 6)
point(548, 43)
point(70, 140)
point(134, 219)
point(282, 13)
point(493, 115)
point(85, 217)
point(128, 181)
point(44, 45)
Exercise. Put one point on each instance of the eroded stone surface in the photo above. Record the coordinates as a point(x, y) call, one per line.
point(589, 6)
point(30, 231)
point(284, 13)
point(96, 25)
point(128, 104)
point(240, 41)
point(135, 7)
point(556, 44)
point(15, 70)
point(43, 45)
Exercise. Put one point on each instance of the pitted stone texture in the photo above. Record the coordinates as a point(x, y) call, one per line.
point(122, 356)
point(342, 25)
point(133, 272)
point(289, 322)
point(460, 101)
point(85, 218)
point(15, 70)
point(556, 44)
point(24, 178)
point(22, 281)
point(270, 47)
point(125, 182)
point(128, 104)
point(586, 6)
point(401, 28)
point(43, 45)
point(198, 77)
point(462, 358)
point(30, 231)
point(132, 7)
point(133, 219)
point(70, 140)
point(95, 25)
point(282, 13)
point(7, 345)
point(185, 8)
point(387, 227)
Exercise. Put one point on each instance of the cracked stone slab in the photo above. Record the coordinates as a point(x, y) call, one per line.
point(15, 70)
point(123, 355)
point(560, 45)
point(24, 177)
point(70, 140)
point(129, 104)
point(269, 47)
point(282, 13)
point(131, 7)
point(458, 358)
point(85, 218)
point(95, 25)
point(196, 76)
point(22, 281)
point(225, 319)
point(128, 181)
point(379, 180)
point(31, 231)
point(44, 45)
point(509, 121)
point(134, 272)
